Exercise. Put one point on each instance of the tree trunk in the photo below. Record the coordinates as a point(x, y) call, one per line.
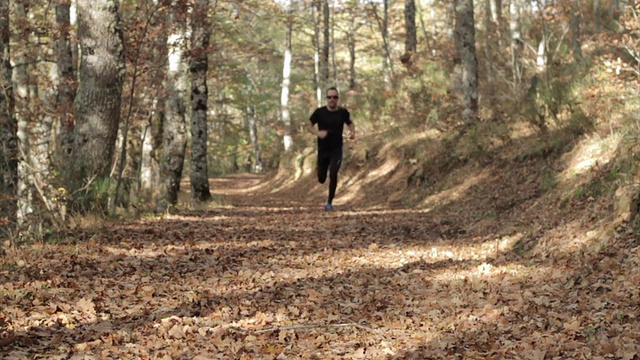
point(576, 46)
point(489, 47)
point(383, 24)
point(199, 65)
point(411, 38)
point(334, 62)
point(324, 60)
point(152, 134)
point(147, 170)
point(286, 82)
point(8, 126)
point(450, 9)
point(351, 34)
point(57, 100)
point(351, 40)
point(498, 22)
point(250, 123)
point(516, 45)
point(316, 50)
point(67, 83)
point(388, 64)
point(24, 104)
point(456, 63)
point(597, 13)
point(496, 11)
point(36, 136)
point(102, 70)
point(423, 27)
point(496, 15)
point(174, 137)
point(541, 56)
point(467, 40)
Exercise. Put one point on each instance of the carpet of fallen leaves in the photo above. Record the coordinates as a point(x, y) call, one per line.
point(277, 278)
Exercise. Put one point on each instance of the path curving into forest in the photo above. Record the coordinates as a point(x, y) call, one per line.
point(272, 276)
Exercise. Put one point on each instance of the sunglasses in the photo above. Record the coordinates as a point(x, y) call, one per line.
point(333, 97)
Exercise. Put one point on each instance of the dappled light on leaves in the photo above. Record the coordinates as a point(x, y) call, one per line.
point(592, 153)
point(280, 282)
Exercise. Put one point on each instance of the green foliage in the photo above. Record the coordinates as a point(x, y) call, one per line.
point(88, 193)
point(593, 189)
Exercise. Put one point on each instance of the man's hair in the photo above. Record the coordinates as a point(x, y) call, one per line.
point(332, 88)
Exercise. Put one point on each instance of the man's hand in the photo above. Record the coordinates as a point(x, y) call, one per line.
point(322, 134)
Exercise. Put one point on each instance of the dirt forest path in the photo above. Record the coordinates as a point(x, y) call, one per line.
point(271, 276)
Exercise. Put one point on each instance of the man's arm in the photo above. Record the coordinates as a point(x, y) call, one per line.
point(319, 133)
point(311, 128)
point(352, 131)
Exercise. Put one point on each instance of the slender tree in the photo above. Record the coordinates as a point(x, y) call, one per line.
point(466, 34)
point(516, 45)
point(174, 136)
point(250, 124)
point(597, 12)
point(315, 39)
point(324, 60)
point(286, 80)
point(354, 16)
point(334, 61)
point(8, 126)
point(66, 82)
point(198, 66)
point(249, 92)
point(411, 38)
point(351, 44)
point(57, 98)
point(576, 45)
point(425, 32)
point(498, 21)
point(22, 58)
point(490, 34)
point(152, 132)
point(98, 100)
point(383, 26)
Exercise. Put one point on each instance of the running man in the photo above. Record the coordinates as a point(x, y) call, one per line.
point(330, 120)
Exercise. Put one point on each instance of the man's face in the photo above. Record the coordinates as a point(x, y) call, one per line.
point(332, 99)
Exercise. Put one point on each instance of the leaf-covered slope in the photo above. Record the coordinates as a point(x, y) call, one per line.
point(270, 276)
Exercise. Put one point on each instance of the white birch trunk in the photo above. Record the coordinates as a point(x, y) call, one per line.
point(146, 168)
point(541, 57)
point(516, 45)
point(22, 97)
point(152, 132)
point(174, 130)
point(286, 82)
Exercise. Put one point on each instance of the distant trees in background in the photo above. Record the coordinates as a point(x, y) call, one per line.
point(103, 102)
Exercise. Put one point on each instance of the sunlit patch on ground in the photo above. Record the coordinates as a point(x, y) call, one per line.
point(389, 165)
point(590, 154)
point(455, 192)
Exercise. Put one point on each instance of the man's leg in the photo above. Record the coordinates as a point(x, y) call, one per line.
point(322, 166)
point(334, 167)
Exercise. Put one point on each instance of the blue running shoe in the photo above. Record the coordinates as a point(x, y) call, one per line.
point(329, 207)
